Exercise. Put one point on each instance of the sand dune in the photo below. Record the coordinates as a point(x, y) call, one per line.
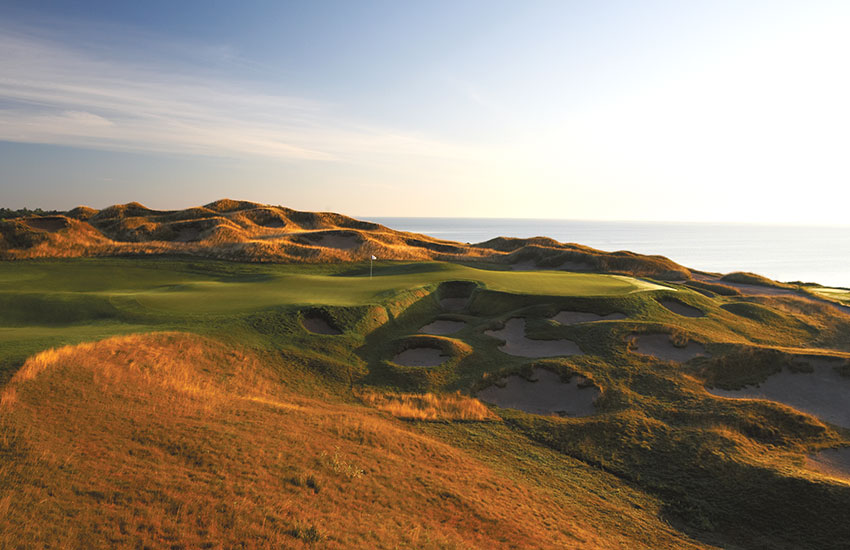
point(246, 231)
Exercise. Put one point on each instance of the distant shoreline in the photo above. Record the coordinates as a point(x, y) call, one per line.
point(818, 254)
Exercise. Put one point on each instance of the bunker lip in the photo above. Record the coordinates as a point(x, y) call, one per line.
point(421, 356)
point(547, 394)
point(575, 317)
point(680, 308)
point(516, 343)
point(658, 345)
point(442, 326)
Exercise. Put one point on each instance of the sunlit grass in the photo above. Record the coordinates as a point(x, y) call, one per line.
point(428, 406)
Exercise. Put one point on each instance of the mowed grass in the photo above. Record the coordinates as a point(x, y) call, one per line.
point(192, 287)
point(838, 294)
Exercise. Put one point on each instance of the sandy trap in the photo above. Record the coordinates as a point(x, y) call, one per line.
point(548, 394)
point(823, 393)
point(442, 327)
point(317, 325)
point(660, 347)
point(832, 462)
point(421, 357)
point(679, 308)
point(517, 344)
point(576, 317)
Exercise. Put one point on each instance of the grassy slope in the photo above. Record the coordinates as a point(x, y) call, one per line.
point(660, 450)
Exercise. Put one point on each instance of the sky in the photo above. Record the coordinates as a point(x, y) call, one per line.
point(716, 111)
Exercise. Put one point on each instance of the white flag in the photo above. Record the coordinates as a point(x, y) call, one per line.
point(373, 257)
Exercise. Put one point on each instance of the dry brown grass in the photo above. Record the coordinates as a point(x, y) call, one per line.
point(428, 406)
point(170, 440)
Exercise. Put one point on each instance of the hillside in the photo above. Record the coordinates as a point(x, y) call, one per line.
point(167, 400)
point(245, 231)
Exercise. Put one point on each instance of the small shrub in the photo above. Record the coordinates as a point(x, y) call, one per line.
point(305, 532)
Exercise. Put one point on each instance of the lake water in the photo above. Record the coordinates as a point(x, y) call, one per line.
point(786, 253)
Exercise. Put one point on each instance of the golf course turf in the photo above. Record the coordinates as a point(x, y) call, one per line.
point(295, 391)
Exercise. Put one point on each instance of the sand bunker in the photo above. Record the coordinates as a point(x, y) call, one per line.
point(453, 304)
point(318, 325)
point(575, 317)
point(832, 462)
point(823, 393)
point(547, 395)
point(679, 308)
point(517, 344)
point(442, 326)
point(660, 346)
point(421, 357)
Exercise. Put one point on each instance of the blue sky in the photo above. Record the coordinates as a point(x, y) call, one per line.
point(703, 111)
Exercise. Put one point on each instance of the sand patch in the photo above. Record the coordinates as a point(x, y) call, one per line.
point(421, 357)
point(832, 462)
point(822, 393)
point(660, 347)
point(576, 317)
point(548, 394)
point(442, 326)
point(517, 344)
point(317, 325)
point(679, 308)
point(453, 304)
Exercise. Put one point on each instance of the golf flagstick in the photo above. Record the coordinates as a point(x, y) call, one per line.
point(371, 258)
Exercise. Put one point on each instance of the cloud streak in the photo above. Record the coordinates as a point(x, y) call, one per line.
point(55, 95)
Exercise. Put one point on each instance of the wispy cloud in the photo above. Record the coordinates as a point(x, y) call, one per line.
point(50, 93)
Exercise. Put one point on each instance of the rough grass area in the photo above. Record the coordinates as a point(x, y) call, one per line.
point(185, 404)
point(428, 406)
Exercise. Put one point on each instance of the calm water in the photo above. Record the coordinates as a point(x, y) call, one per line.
point(785, 253)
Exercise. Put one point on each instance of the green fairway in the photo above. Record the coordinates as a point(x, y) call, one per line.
point(191, 287)
point(837, 294)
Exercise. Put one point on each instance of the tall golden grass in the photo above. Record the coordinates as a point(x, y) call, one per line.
point(171, 440)
point(428, 406)
point(254, 232)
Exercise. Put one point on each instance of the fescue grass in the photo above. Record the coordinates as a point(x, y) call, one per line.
point(428, 406)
